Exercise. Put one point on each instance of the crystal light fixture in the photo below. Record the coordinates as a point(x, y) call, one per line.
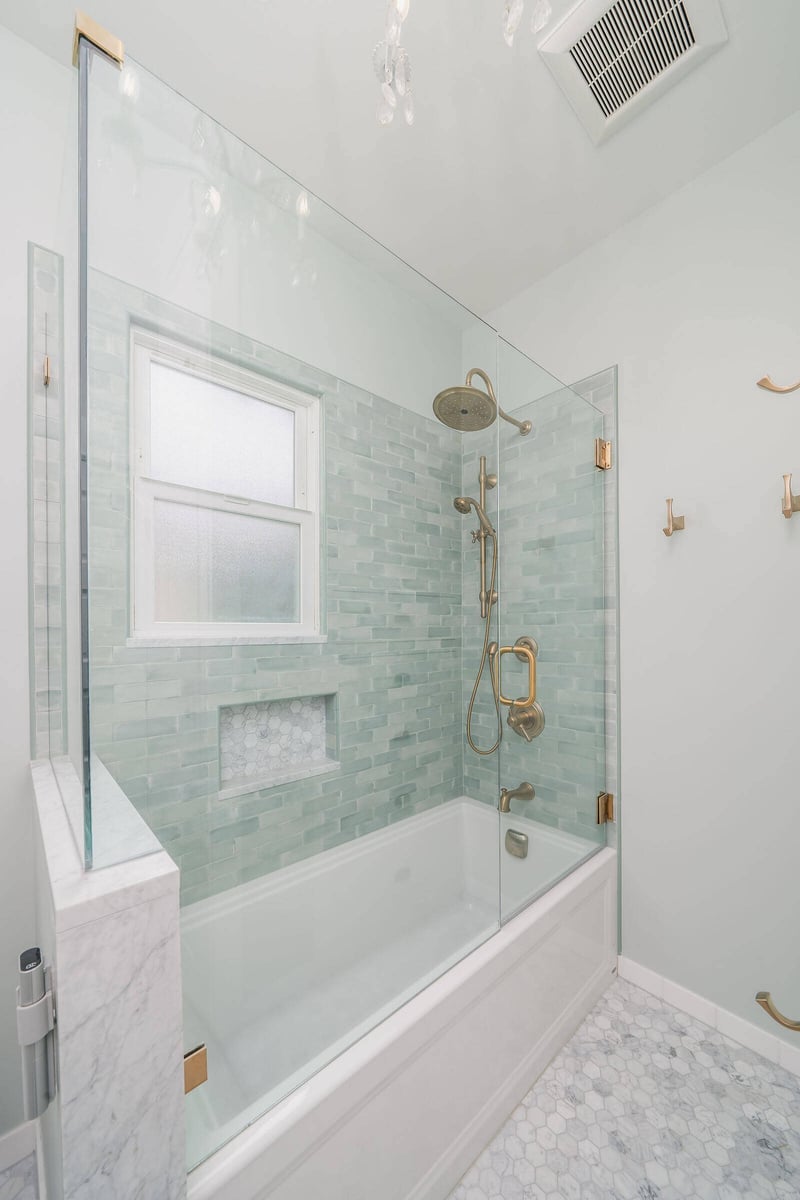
point(512, 17)
point(392, 67)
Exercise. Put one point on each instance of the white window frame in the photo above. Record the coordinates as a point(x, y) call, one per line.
point(147, 348)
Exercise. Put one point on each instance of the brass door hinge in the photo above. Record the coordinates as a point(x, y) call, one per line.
point(195, 1068)
point(605, 808)
point(602, 454)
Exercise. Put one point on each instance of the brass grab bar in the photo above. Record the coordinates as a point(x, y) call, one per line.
point(522, 651)
point(769, 386)
point(766, 1002)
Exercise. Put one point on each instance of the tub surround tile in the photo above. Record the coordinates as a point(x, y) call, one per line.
point(647, 1103)
point(116, 1127)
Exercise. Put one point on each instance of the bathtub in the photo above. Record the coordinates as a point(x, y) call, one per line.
point(368, 1027)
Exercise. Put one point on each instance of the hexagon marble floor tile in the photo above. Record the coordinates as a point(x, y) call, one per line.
point(645, 1103)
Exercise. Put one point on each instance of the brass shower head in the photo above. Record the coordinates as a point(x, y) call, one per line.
point(467, 408)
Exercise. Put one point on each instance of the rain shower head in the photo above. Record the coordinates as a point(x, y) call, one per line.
point(467, 408)
point(464, 408)
point(463, 504)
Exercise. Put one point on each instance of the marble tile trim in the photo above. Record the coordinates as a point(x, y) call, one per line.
point(20, 1182)
point(646, 1103)
point(746, 1033)
point(119, 1036)
point(17, 1144)
point(80, 896)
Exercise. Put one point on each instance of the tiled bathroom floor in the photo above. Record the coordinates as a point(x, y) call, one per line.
point(19, 1181)
point(645, 1103)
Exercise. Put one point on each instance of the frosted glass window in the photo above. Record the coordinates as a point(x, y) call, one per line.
point(224, 567)
point(206, 435)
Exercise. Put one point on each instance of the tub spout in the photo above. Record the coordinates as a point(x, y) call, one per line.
point(525, 791)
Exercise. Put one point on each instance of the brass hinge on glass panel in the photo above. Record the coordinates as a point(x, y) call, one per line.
point(602, 454)
point(86, 28)
point(46, 371)
point(605, 808)
point(195, 1068)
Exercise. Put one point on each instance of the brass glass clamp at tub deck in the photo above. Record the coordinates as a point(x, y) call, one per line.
point(791, 504)
point(525, 791)
point(766, 1002)
point(674, 523)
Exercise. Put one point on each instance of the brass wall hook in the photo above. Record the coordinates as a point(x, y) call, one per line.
point(673, 523)
point(768, 386)
point(767, 1003)
point(791, 503)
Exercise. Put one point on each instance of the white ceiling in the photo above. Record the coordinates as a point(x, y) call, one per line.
point(497, 183)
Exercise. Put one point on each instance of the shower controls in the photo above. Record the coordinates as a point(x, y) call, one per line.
point(528, 721)
point(517, 843)
point(525, 791)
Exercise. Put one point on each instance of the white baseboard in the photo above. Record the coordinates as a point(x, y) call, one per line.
point(17, 1144)
point(727, 1023)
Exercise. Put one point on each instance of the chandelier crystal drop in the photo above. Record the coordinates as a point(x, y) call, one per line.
point(513, 11)
point(392, 67)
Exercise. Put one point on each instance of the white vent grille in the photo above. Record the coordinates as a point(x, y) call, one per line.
point(613, 58)
point(628, 47)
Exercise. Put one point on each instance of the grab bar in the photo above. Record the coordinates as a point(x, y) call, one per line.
point(767, 1003)
point(522, 650)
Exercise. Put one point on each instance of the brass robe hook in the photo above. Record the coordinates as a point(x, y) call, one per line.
point(791, 503)
point(766, 1002)
point(673, 523)
point(768, 386)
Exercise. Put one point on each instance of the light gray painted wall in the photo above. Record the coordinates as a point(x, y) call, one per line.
point(34, 130)
point(696, 300)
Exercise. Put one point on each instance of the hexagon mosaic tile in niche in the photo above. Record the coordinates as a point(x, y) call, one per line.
point(271, 738)
point(645, 1103)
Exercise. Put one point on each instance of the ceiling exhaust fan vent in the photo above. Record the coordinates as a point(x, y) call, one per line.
point(613, 59)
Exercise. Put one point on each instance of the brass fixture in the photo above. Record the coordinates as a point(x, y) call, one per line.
point(467, 408)
point(517, 843)
point(602, 455)
point(195, 1068)
point(769, 386)
point(527, 721)
point(488, 596)
point(766, 1002)
point(86, 28)
point(525, 791)
point(791, 503)
point(524, 651)
point(605, 808)
point(674, 524)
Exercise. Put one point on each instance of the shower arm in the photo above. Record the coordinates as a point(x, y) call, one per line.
point(523, 426)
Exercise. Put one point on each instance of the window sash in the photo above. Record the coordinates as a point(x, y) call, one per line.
point(147, 347)
point(147, 492)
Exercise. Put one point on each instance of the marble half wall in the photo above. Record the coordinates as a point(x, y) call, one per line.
point(116, 1126)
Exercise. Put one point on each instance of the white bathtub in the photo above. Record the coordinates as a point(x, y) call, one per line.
point(284, 974)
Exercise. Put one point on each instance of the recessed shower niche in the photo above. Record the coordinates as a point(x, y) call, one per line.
point(271, 742)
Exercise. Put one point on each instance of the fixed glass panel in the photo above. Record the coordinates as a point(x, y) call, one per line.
point(310, 785)
point(551, 591)
point(208, 436)
point(223, 566)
